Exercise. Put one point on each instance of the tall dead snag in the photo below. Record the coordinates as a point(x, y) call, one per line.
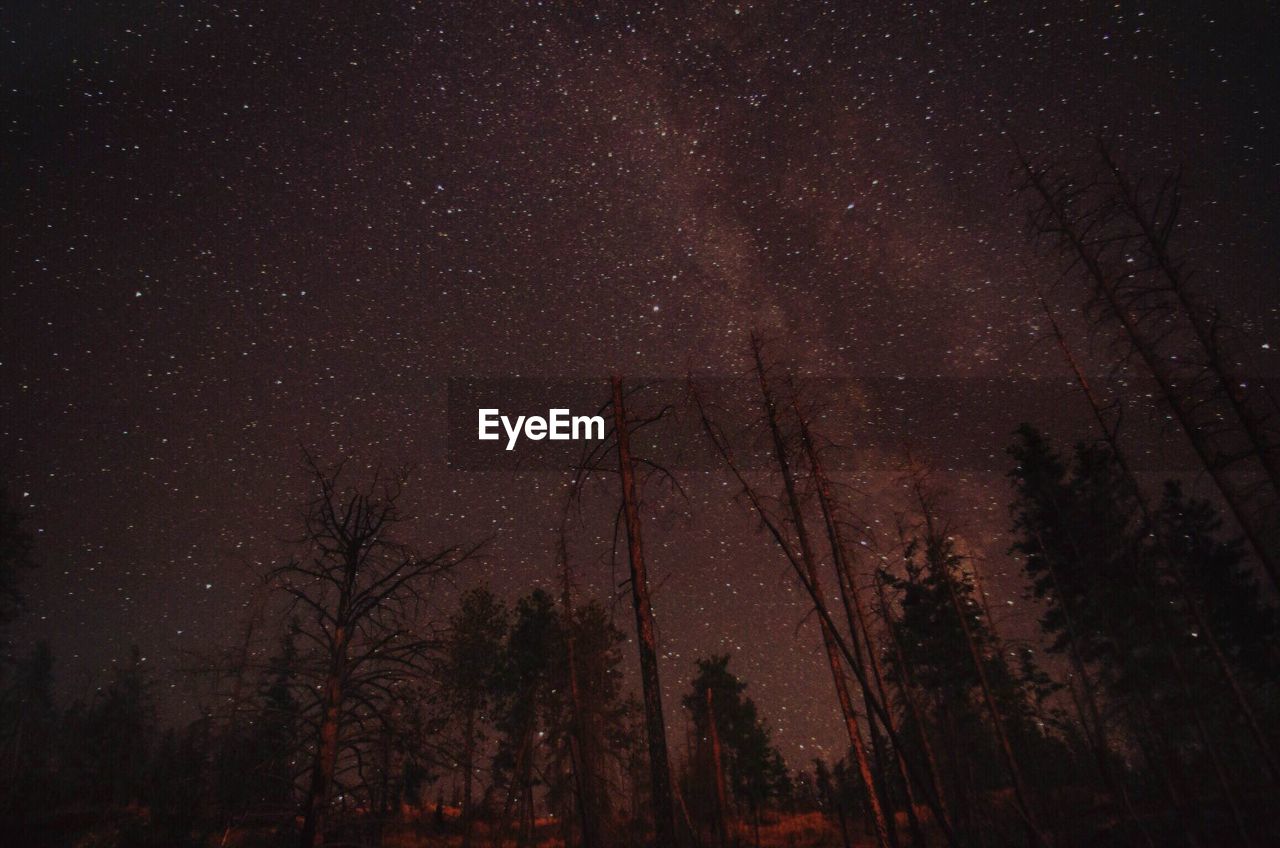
point(855, 614)
point(582, 759)
point(1122, 249)
point(1165, 636)
point(907, 692)
point(358, 594)
point(1110, 432)
point(1155, 215)
point(884, 835)
point(798, 567)
point(1020, 793)
point(717, 764)
point(659, 766)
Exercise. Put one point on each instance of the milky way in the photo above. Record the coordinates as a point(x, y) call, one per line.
point(235, 231)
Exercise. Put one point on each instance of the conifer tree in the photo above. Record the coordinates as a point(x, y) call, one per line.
point(951, 652)
point(755, 771)
point(472, 663)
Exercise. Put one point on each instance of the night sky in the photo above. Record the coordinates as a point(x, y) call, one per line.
point(232, 231)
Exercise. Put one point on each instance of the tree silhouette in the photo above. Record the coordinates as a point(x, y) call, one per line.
point(359, 594)
point(472, 662)
point(725, 716)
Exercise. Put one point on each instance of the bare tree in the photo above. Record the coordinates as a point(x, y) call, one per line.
point(1111, 433)
point(855, 614)
point(778, 532)
point(632, 472)
point(717, 765)
point(581, 750)
point(1152, 212)
point(884, 834)
point(659, 766)
point(1117, 235)
point(359, 595)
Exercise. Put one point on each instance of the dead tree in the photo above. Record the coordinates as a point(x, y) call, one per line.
point(595, 460)
point(855, 614)
point(1110, 432)
point(1155, 213)
point(1021, 795)
point(594, 820)
point(775, 529)
point(580, 759)
point(358, 594)
point(884, 835)
point(717, 765)
point(1100, 224)
point(659, 767)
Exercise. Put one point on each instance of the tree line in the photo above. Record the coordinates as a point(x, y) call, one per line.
point(378, 692)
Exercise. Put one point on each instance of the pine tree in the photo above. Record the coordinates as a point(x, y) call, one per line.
point(532, 646)
point(29, 722)
point(832, 799)
point(107, 742)
point(950, 651)
point(1121, 597)
point(755, 771)
point(472, 661)
point(605, 722)
point(1218, 574)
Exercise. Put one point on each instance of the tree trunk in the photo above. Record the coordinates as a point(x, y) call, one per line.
point(468, 768)
point(659, 767)
point(913, 705)
point(883, 838)
point(844, 825)
point(1155, 751)
point(856, 619)
point(580, 753)
point(726, 453)
point(527, 818)
point(318, 797)
point(717, 764)
point(1097, 736)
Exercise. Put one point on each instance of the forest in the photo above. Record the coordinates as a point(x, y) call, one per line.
point(345, 708)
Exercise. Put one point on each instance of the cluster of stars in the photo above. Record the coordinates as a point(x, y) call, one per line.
point(236, 231)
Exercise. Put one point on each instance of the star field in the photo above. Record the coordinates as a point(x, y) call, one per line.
point(235, 230)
